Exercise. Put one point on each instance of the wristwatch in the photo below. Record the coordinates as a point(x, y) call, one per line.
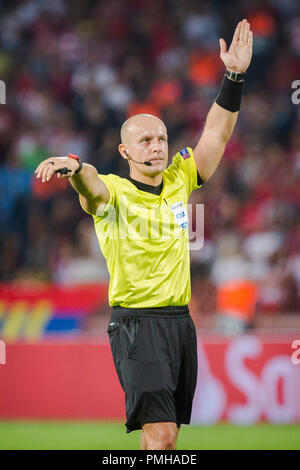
point(71, 155)
point(235, 76)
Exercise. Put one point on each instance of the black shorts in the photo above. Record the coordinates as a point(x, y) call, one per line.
point(155, 355)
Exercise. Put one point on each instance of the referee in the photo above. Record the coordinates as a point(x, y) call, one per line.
point(151, 333)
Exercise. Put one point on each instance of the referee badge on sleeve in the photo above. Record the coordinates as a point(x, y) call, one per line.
point(184, 153)
point(180, 214)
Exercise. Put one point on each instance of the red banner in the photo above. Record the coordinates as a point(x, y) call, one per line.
point(248, 379)
point(244, 379)
point(60, 380)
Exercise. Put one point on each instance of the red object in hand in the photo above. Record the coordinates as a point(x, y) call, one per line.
point(71, 155)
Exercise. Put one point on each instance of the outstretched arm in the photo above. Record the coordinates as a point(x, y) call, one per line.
point(93, 192)
point(220, 122)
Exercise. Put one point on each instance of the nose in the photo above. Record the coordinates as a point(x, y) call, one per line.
point(157, 145)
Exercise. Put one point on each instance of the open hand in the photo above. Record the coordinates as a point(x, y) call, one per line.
point(238, 56)
point(64, 167)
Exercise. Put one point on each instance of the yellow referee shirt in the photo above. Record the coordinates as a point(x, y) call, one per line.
point(144, 237)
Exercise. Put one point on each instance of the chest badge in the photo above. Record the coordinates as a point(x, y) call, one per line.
point(180, 214)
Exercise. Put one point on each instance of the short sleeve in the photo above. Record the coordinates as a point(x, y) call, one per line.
point(184, 165)
point(110, 184)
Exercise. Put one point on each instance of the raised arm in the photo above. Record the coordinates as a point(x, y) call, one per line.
point(93, 192)
point(223, 114)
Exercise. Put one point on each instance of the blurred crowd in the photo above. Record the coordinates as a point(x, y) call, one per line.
point(74, 71)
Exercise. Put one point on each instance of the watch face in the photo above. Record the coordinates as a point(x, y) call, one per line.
point(235, 75)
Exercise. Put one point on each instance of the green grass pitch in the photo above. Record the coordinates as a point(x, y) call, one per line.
point(100, 435)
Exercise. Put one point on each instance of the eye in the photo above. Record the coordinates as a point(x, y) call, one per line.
point(146, 139)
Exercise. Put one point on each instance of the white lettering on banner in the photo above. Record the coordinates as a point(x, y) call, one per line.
point(210, 394)
point(244, 380)
point(296, 354)
point(296, 93)
point(272, 394)
point(275, 369)
point(2, 352)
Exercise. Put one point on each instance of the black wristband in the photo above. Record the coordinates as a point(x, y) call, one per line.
point(79, 168)
point(230, 94)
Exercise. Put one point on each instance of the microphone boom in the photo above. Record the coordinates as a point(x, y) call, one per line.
point(142, 163)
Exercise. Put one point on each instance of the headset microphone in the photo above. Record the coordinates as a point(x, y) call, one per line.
point(143, 163)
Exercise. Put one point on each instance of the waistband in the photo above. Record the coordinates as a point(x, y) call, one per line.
point(172, 311)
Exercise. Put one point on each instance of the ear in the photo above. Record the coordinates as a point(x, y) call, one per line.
point(123, 151)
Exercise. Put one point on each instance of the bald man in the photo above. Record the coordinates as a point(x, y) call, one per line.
point(142, 227)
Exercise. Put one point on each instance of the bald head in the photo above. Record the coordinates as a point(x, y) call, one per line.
point(136, 122)
point(144, 138)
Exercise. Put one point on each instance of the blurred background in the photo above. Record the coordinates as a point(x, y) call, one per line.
point(74, 71)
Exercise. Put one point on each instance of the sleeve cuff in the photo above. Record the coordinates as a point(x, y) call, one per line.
point(199, 179)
